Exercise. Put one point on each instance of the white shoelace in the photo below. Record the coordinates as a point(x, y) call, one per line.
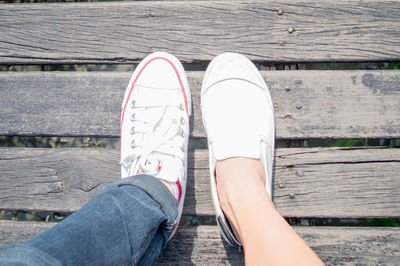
point(149, 145)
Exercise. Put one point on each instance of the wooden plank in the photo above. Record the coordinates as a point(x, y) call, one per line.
point(202, 244)
point(17, 232)
point(334, 30)
point(334, 245)
point(325, 182)
point(334, 104)
point(337, 182)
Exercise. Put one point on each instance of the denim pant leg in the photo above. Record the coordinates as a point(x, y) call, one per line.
point(129, 222)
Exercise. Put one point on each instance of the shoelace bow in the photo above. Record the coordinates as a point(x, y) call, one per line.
point(146, 152)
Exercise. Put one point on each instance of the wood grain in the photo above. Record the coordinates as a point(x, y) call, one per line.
point(326, 182)
point(339, 30)
point(202, 244)
point(334, 104)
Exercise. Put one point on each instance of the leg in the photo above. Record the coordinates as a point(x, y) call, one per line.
point(128, 223)
point(239, 120)
point(266, 237)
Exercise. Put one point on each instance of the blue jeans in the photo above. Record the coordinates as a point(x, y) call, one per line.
point(128, 223)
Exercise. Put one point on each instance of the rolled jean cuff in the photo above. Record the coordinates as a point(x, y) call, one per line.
point(159, 193)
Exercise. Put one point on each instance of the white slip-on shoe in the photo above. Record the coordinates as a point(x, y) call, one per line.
point(155, 123)
point(239, 120)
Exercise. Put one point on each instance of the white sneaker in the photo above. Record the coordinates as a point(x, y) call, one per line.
point(155, 123)
point(239, 120)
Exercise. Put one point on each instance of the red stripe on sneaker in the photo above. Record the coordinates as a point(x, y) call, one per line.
point(178, 184)
point(179, 190)
point(140, 72)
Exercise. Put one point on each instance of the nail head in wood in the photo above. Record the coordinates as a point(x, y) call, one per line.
point(292, 195)
point(280, 12)
point(290, 30)
point(281, 185)
point(300, 172)
point(276, 105)
point(299, 106)
point(287, 89)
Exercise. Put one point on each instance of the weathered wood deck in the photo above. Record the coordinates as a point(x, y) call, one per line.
point(310, 104)
point(359, 104)
point(340, 30)
point(202, 245)
point(327, 182)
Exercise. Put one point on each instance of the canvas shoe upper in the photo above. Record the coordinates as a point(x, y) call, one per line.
point(155, 123)
point(238, 117)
